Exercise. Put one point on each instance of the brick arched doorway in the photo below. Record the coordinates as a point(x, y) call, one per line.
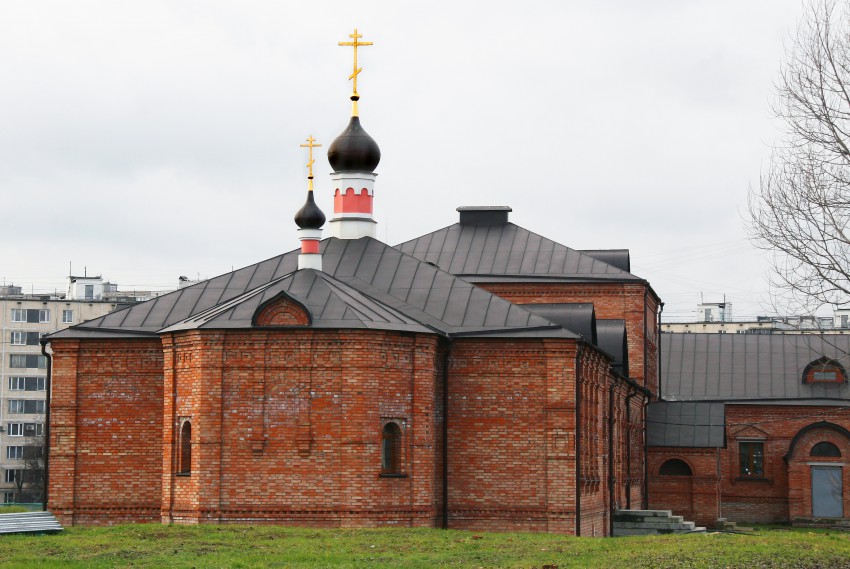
point(819, 473)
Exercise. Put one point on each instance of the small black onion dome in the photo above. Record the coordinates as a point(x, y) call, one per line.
point(310, 216)
point(354, 150)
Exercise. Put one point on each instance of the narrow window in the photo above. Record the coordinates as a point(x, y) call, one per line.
point(391, 449)
point(185, 466)
point(825, 448)
point(675, 467)
point(67, 316)
point(751, 456)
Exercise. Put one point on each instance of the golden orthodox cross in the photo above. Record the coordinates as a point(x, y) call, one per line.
point(311, 146)
point(355, 44)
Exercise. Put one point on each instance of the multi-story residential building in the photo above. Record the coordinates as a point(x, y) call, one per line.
point(24, 319)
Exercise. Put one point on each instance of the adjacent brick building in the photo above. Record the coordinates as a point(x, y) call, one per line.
point(755, 428)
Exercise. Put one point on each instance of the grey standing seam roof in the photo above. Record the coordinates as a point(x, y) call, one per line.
point(364, 284)
point(697, 424)
point(501, 252)
point(578, 317)
point(756, 368)
point(614, 341)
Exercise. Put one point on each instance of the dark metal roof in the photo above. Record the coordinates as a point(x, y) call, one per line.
point(612, 340)
point(506, 251)
point(755, 368)
point(331, 303)
point(365, 283)
point(685, 424)
point(615, 257)
point(577, 317)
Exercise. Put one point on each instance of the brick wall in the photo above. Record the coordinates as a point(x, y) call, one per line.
point(302, 412)
point(632, 302)
point(511, 432)
point(105, 431)
point(286, 427)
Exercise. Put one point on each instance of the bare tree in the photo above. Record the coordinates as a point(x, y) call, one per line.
point(29, 478)
point(801, 208)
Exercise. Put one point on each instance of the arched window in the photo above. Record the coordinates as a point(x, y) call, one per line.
point(185, 457)
point(824, 370)
point(675, 467)
point(825, 448)
point(391, 449)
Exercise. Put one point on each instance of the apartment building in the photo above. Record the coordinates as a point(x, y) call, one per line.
point(24, 319)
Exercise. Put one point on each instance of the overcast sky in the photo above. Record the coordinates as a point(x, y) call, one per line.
point(148, 140)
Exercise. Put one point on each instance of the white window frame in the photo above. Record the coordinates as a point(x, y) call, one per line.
point(19, 338)
point(36, 428)
point(18, 407)
point(14, 452)
point(19, 315)
point(8, 497)
point(15, 429)
point(67, 316)
point(19, 383)
point(43, 315)
point(11, 475)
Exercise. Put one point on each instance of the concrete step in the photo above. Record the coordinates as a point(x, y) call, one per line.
point(643, 513)
point(651, 522)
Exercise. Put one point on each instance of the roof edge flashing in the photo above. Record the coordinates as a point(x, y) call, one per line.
point(484, 214)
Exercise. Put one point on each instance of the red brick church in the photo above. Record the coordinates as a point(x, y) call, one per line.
point(481, 376)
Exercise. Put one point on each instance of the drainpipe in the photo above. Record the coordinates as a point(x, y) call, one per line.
point(629, 449)
point(578, 437)
point(611, 478)
point(446, 435)
point(658, 343)
point(47, 388)
point(645, 456)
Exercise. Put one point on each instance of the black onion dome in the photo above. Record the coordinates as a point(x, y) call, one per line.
point(354, 150)
point(310, 216)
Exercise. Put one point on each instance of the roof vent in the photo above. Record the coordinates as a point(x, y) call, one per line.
point(484, 214)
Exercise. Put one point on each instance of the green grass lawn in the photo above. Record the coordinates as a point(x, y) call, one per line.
point(270, 546)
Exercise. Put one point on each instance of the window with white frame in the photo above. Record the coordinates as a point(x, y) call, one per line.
point(22, 338)
point(12, 475)
point(67, 316)
point(26, 406)
point(27, 361)
point(27, 383)
point(14, 452)
point(33, 315)
point(8, 497)
point(33, 429)
point(15, 429)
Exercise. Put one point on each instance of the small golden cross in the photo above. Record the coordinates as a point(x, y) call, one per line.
point(311, 146)
point(355, 44)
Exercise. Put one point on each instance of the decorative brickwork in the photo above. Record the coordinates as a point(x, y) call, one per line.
point(282, 311)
